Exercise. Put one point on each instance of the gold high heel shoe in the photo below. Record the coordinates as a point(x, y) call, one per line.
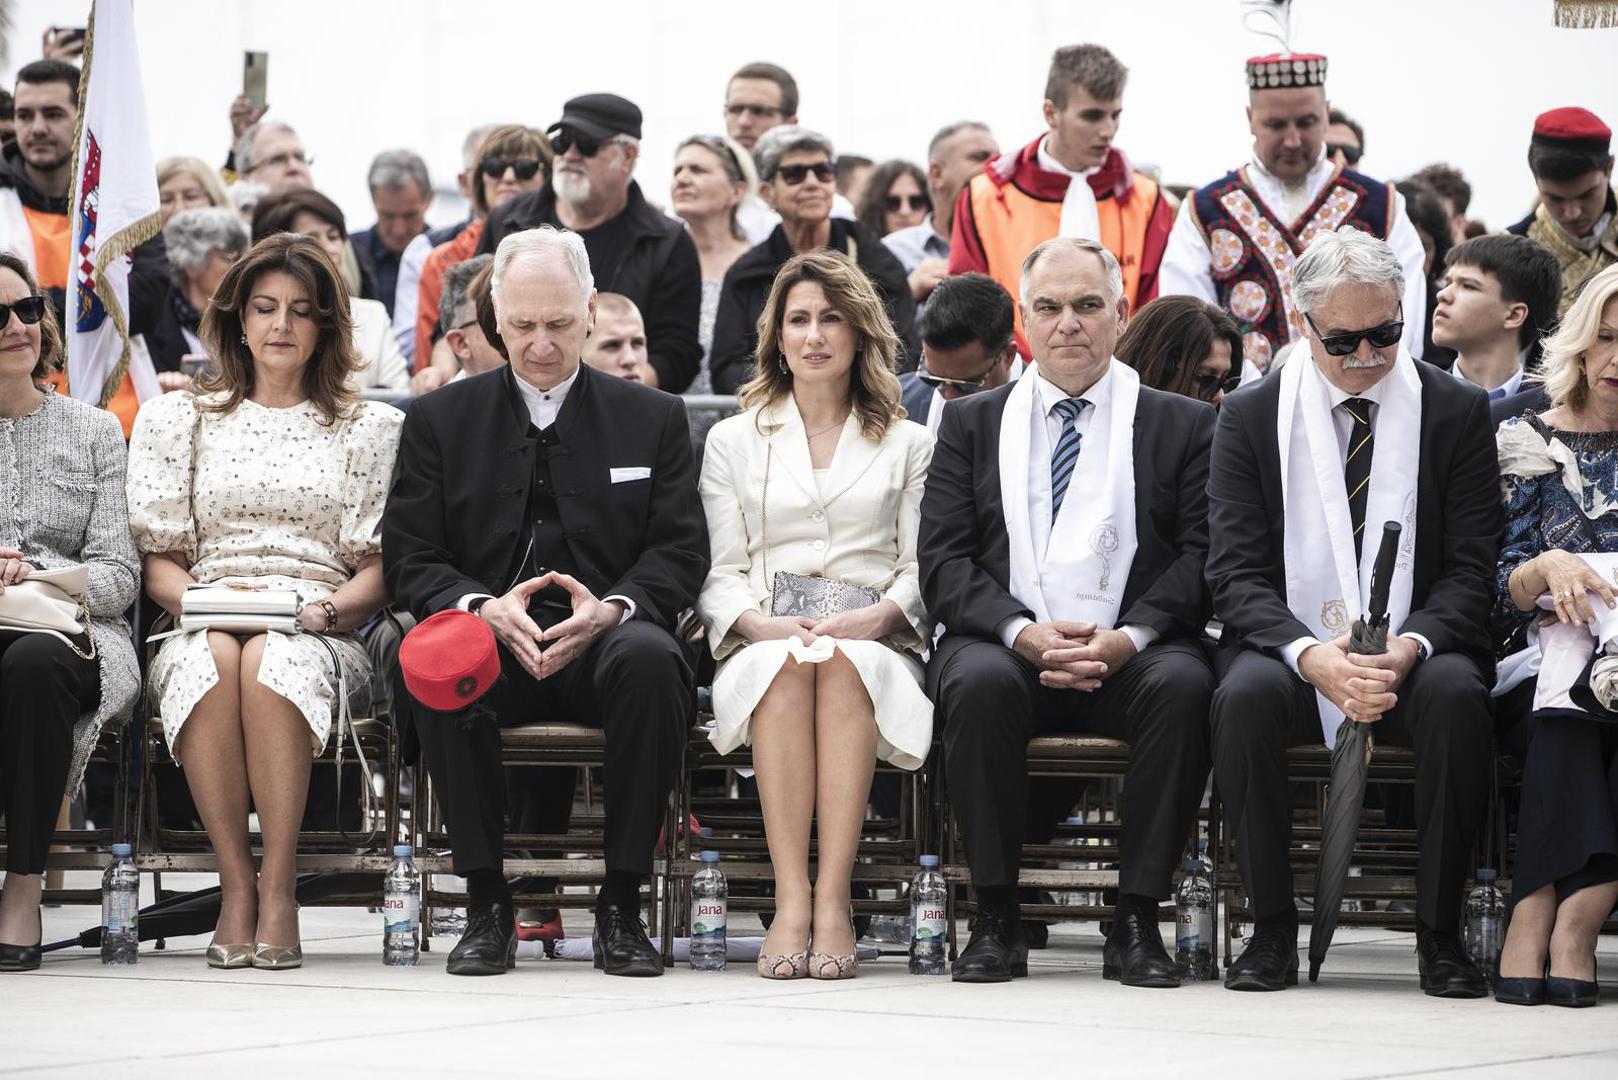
point(229, 956)
point(277, 957)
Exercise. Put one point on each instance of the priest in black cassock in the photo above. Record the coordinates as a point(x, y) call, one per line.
point(560, 505)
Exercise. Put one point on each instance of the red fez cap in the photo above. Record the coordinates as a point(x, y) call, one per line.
point(1283, 71)
point(1573, 128)
point(449, 660)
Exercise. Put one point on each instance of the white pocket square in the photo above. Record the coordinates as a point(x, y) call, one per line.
point(637, 472)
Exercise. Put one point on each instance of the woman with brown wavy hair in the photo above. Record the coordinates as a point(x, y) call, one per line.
point(272, 475)
point(815, 488)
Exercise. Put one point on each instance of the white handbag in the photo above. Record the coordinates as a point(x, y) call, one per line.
point(50, 602)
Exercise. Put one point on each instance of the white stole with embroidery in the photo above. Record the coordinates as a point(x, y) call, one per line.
point(1324, 588)
point(1080, 575)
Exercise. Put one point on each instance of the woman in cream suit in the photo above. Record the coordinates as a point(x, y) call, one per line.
point(821, 476)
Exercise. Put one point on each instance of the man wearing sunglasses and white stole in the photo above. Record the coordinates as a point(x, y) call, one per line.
point(1307, 466)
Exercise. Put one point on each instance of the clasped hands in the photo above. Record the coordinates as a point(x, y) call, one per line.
point(1363, 686)
point(1074, 656)
point(543, 653)
point(871, 623)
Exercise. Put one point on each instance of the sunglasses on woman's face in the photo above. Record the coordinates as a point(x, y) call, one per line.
point(794, 175)
point(1210, 385)
point(495, 167)
point(1380, 337)
point(896, 203)
point(30, 309)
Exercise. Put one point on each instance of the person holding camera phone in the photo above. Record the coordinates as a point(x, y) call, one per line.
point(558, 504)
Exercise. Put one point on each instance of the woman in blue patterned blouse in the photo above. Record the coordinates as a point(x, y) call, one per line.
point(1559, 476)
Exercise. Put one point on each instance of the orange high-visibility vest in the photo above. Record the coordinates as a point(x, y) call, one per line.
point(1011, 223)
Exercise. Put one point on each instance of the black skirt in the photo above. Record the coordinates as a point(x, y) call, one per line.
point(1567, 827)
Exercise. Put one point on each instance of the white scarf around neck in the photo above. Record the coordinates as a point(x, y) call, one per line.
point(1080, 217)
point(1080, 575)
point(1328, 593)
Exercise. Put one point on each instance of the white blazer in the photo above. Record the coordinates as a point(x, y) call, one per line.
point(862, 530)
point(382, 365)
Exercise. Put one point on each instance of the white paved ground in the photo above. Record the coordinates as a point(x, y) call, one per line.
point(345, 1014)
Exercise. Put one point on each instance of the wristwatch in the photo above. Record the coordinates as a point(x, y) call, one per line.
point(331, 613)
point(1421, 649)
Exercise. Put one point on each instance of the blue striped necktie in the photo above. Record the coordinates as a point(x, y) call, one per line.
point(1066, 454)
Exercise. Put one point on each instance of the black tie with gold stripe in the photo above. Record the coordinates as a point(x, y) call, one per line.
point(1357, 467)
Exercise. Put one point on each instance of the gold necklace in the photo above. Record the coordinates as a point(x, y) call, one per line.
point(817, 434)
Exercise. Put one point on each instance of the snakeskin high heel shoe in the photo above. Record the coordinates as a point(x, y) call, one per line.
point(783, 965)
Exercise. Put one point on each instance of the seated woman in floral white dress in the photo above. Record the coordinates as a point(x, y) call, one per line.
point(273, 474)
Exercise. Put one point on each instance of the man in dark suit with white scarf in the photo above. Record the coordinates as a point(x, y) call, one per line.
point(1063, 536)
point(1308, 465)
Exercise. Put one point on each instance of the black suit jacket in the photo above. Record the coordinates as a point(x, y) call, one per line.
point(965, 553)
point(1530, 395)
point(1457, 520)
point(456, 521)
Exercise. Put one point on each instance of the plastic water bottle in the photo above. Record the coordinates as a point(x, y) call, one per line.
point(709, 900)
point(927, 924)
point(1072, 896)
point(1485, 923)
point(401, 909)
point(120, 908)
point(1194, 923)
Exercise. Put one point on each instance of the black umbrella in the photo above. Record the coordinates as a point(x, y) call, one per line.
point(1350, 760)
point(197, 912)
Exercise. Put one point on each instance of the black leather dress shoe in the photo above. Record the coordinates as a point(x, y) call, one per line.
point(489, 946)
point(621, 945)
point(997, 951)
point(1446, 970)
point(1270, 961)
point(1134, 954)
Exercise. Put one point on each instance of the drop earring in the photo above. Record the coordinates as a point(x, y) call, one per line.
point(781, 361)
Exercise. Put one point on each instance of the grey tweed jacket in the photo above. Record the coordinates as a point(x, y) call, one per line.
point(62, 504)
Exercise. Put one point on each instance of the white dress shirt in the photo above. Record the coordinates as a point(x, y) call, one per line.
point(1343, 425)
point(1505, 389)
point(1049, 395)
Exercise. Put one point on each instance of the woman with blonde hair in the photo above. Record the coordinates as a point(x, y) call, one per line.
point(186, 183)
point(272, 476)
point(1559, 478)
point(813, 605)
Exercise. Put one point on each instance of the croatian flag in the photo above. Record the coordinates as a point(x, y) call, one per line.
point(114, 209)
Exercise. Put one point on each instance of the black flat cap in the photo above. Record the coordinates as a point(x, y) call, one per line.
point(600, 116)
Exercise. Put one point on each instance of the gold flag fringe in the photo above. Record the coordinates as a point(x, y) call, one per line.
point(1587, 14)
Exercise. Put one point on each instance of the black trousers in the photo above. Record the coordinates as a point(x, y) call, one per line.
point(992, 704)
point(44, 688)
point(632, 682)
point(1444, 714)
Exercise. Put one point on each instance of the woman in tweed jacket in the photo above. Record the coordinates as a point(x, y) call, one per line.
point(61, 504)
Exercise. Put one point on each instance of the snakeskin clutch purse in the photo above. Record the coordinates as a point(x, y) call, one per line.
point(817, 597)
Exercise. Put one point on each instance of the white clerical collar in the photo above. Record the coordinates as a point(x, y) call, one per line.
point(1049, 162)
point(1099, 395)
point(553, 397)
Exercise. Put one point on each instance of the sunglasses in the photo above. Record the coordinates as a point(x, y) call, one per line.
point(495, 167)
point(965, 386)
point(1351, 154)
point(30, 309)
point(565, 139)
point(1209, 384)
point(896, 203)
point(794, 175)
point(1380, 337)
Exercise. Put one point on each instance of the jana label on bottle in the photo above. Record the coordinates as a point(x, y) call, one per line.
point(707, 917)
point(401, 913)
point(123, 914)
point(929, 924)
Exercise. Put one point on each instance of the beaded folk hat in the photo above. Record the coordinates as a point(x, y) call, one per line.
point(1286, 70)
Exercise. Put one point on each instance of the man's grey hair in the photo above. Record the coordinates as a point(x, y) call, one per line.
point(472, 146)
point(455, 307)
point(395, 170)
point(785, 139)
point(192, 237)
point(537, 246)
point(244, 145)
point(1109, 264)
point(949, 131)
point(1347, 256)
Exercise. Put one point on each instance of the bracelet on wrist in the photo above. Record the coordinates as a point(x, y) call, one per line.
point(331, 613)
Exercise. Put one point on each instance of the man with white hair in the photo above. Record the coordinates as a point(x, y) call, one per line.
point(269, 152)
point(1063, 533)
point(1307, 467)
point(639, 251)
point(560, 505)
